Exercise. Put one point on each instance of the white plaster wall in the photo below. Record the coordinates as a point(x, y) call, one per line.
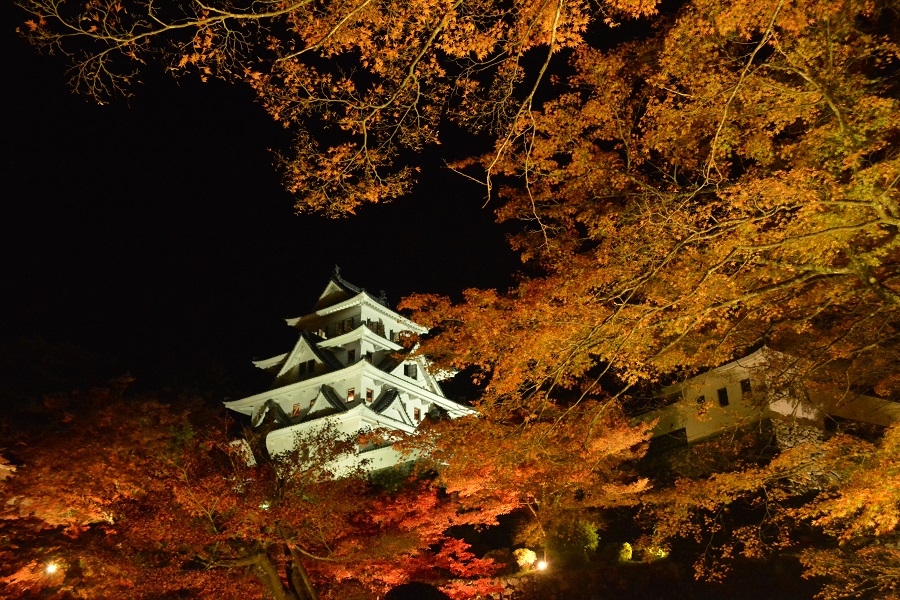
point(708, 418)
point(865, 409)
point(281, 441)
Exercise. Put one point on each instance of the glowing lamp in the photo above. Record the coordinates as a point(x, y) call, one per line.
point(542, 564)
point(51, 568)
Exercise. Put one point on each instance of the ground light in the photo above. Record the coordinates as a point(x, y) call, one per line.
point(51, 568)
point(542, 564)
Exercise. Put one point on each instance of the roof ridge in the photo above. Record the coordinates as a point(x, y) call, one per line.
point(326, 356)
point(348, 287)
point(384, 399)
point(332, 397)
point(279, 415)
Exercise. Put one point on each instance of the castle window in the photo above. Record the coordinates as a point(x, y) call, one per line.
point(723, 396)
point(369, 396)
point(411, 371)
point(745, 386)
point(417, 414)
point(296, 411)
point(375, 326)
point(351, 394)
point(369, 357)
point(351, 356)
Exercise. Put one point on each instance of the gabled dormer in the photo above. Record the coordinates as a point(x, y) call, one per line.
point(339, 289)
point(307, 359)
point(327, 402)
point(391, 406)
point(343, 308)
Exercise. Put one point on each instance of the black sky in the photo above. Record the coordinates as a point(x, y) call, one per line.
point(154, 231)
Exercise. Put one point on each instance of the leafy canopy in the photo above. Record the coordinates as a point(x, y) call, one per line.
point(724, 175)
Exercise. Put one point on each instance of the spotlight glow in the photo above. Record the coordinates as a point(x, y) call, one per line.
point(51, 568)
point(542, 564)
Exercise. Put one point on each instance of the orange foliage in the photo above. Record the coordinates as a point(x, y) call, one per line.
point(726, 177)
point(129, 500)
point(357, 82)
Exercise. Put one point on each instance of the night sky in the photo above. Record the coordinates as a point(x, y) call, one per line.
point(154, 233)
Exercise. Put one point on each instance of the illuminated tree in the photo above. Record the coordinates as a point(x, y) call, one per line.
point(832, 504)
point(728, 177)
point(357, 82)
point(127, 499)
point(729, 182)
point(725, 177)
point(552, 465)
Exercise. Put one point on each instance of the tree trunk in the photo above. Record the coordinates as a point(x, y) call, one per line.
point(266, 572)
point(294, 576)
point(300, 578)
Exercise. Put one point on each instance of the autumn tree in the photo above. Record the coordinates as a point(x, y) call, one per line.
point(728, 182)
point(833, 505)
point(126, 498)
point(551, 465)
point(722, 176)
point(82, 463)
point(360, 84)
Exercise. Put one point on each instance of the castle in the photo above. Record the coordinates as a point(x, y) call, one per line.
point(349, 370)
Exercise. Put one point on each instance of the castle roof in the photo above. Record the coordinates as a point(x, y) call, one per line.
point(338, 289)
point(345, 354)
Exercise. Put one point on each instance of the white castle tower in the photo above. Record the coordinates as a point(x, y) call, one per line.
point(347, 368)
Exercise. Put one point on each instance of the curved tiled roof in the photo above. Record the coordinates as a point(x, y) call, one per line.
point(333, 398)
point(384, 399)
point(323, 354)
point(277, 412)
point(353, 290)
